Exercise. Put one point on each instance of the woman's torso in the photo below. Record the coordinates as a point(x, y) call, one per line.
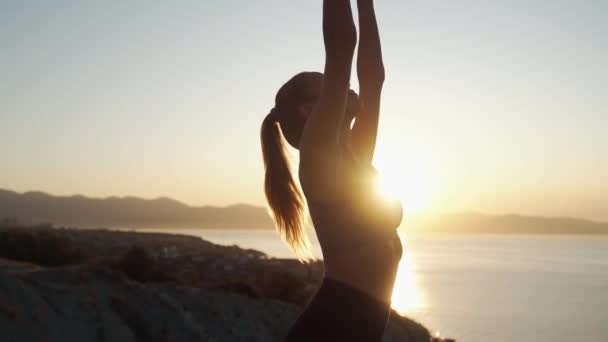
point(357, 216)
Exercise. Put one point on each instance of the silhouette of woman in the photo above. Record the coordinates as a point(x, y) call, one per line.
point(356, 227)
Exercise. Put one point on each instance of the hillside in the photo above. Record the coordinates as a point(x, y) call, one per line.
point(127, 286)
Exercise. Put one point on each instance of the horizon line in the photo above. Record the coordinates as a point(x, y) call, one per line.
point(237, 204)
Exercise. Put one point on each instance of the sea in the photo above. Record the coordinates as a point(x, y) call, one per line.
point(486, 288)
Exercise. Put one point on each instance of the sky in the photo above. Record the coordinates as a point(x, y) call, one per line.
point(497, 107)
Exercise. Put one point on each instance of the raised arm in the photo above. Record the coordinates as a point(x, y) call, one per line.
point(323, 127)
point(370, 71)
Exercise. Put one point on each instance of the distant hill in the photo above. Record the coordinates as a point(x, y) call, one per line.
point(133, 212)
point(127, 212)
point(477, 223)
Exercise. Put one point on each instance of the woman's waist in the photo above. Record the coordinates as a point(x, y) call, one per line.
point(339, 225)
point(341, 240)
point(372, 262)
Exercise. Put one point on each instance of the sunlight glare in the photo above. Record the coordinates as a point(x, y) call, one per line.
point(406, 295)
point(408, 177)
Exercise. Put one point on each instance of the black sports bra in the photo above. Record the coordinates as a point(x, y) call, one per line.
point(358, 220)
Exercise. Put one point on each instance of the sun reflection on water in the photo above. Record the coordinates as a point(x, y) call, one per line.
point(407, 297)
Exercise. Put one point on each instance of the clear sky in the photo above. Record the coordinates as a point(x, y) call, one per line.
point(490, 106)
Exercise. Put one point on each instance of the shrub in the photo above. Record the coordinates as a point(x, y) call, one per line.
point(139, 265)
point(44, 247)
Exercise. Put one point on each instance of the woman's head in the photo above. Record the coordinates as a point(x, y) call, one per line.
point(294, 103)
point(296, 100)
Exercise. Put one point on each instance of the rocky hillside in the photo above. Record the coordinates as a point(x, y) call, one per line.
point(120, 286)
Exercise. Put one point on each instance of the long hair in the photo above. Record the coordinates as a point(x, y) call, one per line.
point(284, 197)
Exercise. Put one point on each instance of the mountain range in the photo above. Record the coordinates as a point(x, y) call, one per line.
point(132, 212)
point(126, 212)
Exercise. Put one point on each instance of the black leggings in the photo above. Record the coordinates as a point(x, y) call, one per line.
point(340, 312)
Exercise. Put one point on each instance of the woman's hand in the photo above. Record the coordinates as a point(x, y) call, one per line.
point(370, 68)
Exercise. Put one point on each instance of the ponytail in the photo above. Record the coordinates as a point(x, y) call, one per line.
point(283, 195)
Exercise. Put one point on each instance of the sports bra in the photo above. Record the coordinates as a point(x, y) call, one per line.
point(355, 221)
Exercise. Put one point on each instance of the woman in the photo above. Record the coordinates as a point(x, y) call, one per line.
point(356, 228)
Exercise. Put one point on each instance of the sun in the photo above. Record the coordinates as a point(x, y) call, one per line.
point(406, 176)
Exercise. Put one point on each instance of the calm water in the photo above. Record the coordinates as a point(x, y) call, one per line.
point(489, 288)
